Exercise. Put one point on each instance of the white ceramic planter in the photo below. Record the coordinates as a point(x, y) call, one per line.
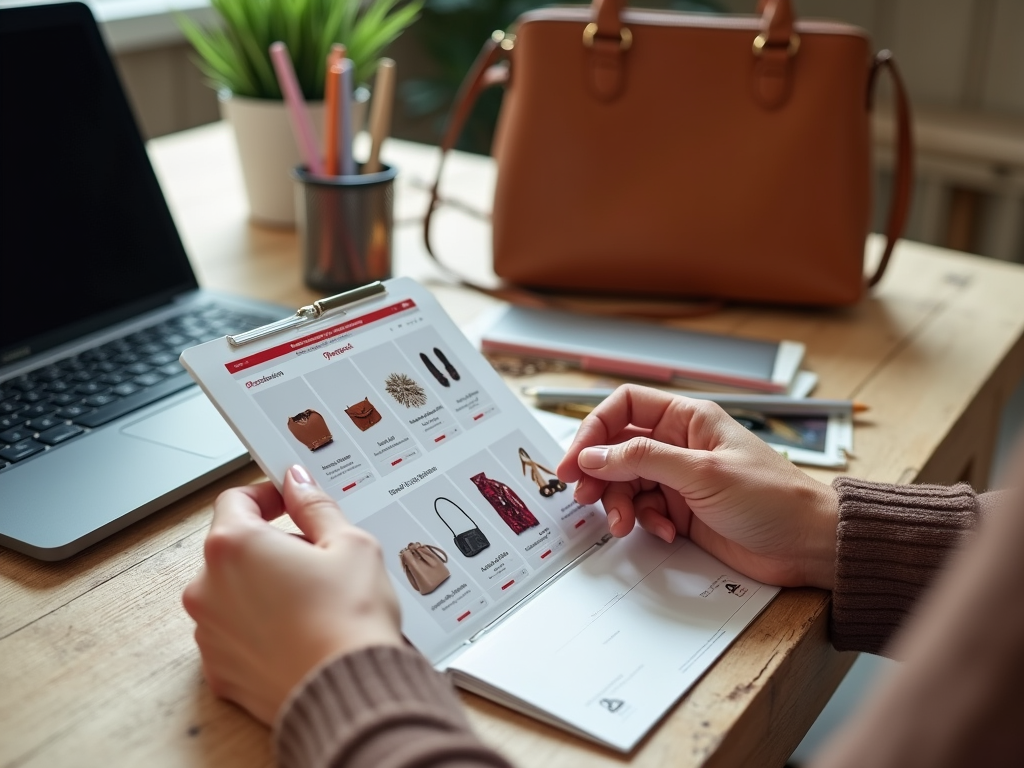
point(268, 152)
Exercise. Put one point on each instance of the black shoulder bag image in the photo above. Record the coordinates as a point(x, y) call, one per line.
point(471, 542)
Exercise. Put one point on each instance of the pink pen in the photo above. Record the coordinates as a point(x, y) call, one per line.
point(301, 124)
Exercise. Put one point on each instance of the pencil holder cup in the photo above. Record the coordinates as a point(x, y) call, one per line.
point(344, 225)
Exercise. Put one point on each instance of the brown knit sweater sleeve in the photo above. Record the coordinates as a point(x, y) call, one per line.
point(381, 707)
point(891, 542)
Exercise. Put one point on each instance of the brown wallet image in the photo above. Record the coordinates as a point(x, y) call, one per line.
point(310, 429)
point(363, 414)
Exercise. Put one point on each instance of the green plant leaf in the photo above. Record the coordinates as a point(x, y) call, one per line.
point(236, 56)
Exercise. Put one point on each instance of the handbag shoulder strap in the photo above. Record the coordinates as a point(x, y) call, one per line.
point(436, 512)
point(903, 180)
point(488, 70)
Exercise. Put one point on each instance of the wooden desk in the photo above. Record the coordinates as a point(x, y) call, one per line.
point(97, 661)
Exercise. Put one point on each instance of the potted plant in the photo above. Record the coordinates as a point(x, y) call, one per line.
point(235, 58)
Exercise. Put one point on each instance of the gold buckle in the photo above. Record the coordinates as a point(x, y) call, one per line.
point(625, 37)
point(506, 40)
point(761, 41)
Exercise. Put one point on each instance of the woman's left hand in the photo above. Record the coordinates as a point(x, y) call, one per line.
point(270, 607)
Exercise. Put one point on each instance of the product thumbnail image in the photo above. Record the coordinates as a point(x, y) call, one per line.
point(405, 390)
point(424, 566)
point(506, 503)
point(447, 365)
point(471, 542)
point(547, 487)
point(310, 429)
point(435, 371)
point(441, 379)
point(363, 414)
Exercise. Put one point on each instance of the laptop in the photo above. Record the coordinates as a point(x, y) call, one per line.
point(99, 423)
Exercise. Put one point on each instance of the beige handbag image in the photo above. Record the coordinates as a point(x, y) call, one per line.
point(424, 566)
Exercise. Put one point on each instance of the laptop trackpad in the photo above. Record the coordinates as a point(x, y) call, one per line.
point(194, 426)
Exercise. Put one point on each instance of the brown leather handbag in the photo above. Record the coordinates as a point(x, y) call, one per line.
point(310, 429)
point(363, 414)
point(663, 154)
point(424, 566)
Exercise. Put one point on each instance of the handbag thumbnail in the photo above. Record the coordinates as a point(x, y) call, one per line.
point(424, 566)
point(363, 414)
point(471, 542)
point(310, 429)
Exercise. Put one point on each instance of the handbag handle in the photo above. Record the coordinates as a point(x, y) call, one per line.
point(903, 180)
point(443, 498)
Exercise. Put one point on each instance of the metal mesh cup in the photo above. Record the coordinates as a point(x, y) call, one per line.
point(344, 225)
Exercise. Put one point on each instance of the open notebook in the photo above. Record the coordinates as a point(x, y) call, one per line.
point(505, 582)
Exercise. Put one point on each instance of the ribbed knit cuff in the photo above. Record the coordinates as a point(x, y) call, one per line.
point(891, 542)
point(378, 707)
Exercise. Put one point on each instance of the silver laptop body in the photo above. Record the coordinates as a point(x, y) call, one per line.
point(99, 424)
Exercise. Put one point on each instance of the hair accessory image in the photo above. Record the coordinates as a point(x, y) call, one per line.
point(310, 429)
point(447, 365)
point(506, 503)
point(405, 391)
point(424, 566)
point(434, 371)
point(547, 487)
point(471, 542)
point(363, 414)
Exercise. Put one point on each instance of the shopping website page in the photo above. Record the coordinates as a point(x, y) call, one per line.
point(402, 421)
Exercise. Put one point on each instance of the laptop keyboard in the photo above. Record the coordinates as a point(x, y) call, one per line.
point(49, 406)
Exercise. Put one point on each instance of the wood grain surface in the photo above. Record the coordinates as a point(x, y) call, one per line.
point(97, 661)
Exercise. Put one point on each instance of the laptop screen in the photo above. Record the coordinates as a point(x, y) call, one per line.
point(85, 235)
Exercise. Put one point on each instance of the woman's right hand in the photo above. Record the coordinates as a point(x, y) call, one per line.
point(678, 465)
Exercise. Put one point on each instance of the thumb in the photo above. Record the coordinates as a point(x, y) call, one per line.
point(641, 457)
point(317, 514)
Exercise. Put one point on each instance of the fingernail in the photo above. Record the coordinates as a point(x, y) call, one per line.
point(594, 458)
point(667, 531)
point(578, 488)
point(300, 475)
point(613, 518)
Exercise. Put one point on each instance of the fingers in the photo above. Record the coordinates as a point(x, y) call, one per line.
point(643, 457)
point(238, 507)
point(629, 406)
point(317, 514)
point(618, 505)
point(652, 514)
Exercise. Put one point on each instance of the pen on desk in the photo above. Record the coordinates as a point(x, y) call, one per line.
point(301, 124)
point(766, 404)
point(380, 112)
point(345, 137)
point(336, 54)
point(332, 86)
point(332, 128)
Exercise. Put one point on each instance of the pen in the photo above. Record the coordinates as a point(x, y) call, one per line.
point(301, 125)
point(332, 130)
point(766, 404)
point(337, 53)
point(348, 163)
point(331, 137)
point(380, 112)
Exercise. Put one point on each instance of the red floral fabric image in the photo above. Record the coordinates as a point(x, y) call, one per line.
point(506, 503)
